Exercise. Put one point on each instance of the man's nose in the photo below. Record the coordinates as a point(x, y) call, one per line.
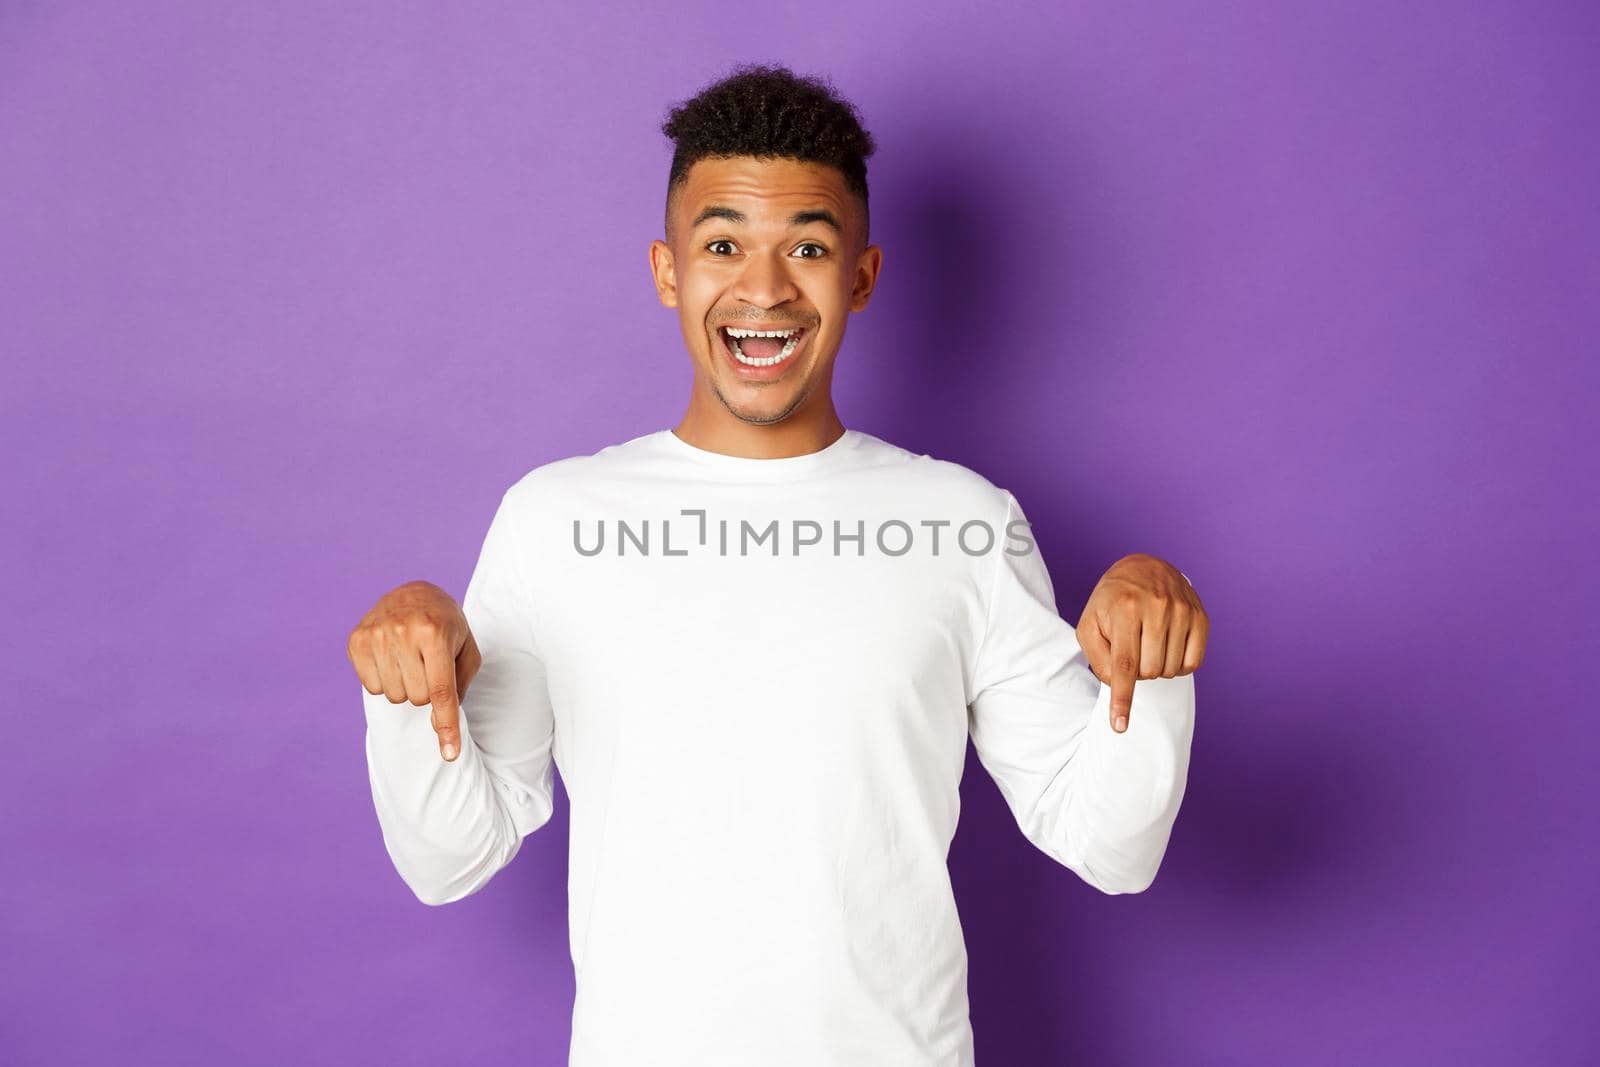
point(765, 282)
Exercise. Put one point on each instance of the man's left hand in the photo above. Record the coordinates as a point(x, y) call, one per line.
point(1144, 620)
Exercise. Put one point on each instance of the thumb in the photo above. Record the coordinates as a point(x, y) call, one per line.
point(468, 660)
point(1096, 650)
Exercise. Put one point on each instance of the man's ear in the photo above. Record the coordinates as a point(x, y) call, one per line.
point(664, 269)
point(866, 279)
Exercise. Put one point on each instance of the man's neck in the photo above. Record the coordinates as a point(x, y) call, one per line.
point(795, 436)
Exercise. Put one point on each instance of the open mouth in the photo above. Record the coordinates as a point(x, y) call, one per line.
point(760, 348)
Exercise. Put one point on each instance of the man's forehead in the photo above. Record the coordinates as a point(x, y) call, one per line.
point(762, 186)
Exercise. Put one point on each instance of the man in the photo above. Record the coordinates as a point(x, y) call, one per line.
point(756, 645)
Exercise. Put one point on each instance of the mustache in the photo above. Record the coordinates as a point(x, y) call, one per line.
point(764, 324)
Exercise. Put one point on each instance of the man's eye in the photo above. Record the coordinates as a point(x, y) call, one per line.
point(821, 251)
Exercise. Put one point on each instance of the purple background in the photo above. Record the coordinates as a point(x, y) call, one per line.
point(1302, 300)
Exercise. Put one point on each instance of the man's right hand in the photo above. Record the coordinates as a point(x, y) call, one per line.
point(415, 645)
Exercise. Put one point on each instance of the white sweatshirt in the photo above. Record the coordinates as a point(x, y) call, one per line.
point(760, 710)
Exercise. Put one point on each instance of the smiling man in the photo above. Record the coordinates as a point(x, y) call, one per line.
point(756, 645)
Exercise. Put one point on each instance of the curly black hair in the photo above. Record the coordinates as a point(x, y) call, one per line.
point(769, 111)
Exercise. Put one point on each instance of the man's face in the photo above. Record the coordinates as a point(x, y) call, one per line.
point(782, 266)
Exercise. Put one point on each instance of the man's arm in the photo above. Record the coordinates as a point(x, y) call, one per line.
point(450, 824)
point(1099, 802)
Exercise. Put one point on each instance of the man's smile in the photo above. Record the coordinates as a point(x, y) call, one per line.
point(761, 354)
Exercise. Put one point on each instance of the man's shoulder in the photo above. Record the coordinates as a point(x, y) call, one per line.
point(949, 480)
point(558, 478)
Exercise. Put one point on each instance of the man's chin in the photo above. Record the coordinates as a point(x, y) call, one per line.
point(761, 417)
point(774, 404)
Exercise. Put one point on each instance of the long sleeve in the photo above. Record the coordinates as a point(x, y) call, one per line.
point(449, 827)
point(1101, 803)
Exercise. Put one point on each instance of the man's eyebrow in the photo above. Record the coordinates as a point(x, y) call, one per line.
point(799, 218)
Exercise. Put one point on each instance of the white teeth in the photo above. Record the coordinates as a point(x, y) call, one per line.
point(788, 349)
point(734, 332)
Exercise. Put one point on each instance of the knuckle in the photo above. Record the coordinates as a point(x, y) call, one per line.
point(441, 693)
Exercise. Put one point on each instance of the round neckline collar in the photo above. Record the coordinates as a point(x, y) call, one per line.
point(780, 467)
